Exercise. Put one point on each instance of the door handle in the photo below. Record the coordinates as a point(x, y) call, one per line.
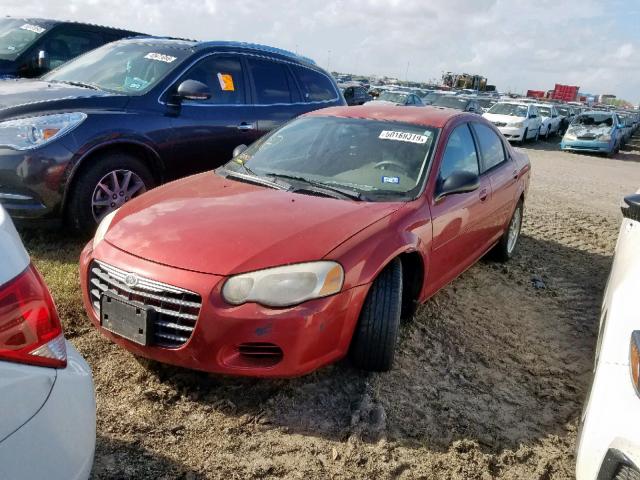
point(246, 126)
point(483, 195)
point(516, 174)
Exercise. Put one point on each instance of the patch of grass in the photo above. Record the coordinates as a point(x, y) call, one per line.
point(56, 255)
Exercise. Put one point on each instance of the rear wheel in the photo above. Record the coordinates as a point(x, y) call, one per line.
point(108, 183)
point(506, 247)
point(374, 341)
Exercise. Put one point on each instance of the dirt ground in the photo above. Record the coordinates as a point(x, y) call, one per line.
point(489, 380)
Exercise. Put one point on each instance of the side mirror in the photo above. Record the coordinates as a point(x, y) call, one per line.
point(533, 115)
point(193, 90)
point(631, 207)
point(458, 182)
point(43, 61)
point(238, 150)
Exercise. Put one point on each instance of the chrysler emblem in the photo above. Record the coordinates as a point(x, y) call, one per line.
point(131, 280)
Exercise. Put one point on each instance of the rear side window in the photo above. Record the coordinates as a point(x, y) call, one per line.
point(223, 75)
point(459, 154)
point(491, 147)
point(270, 80)
point(316, 87)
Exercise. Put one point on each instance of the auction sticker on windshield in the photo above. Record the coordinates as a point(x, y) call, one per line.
point(33, 28)
point(403, 136)
point(160, 57)
point(226, 82)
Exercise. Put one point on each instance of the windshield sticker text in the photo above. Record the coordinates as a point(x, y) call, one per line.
point(395, 180)
point(160, 57)
point(33, 28)
point(226, 82)
point(403, 136)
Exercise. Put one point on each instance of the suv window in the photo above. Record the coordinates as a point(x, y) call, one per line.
point(66, 43)
point(459, 154)
point(223, 75)
point(316, 87)
point(270, 80)
point(490, 145)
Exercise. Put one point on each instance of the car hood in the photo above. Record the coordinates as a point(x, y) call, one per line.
point(22, 96)
point(494, 117)
point(382, 103)
point(210, 224)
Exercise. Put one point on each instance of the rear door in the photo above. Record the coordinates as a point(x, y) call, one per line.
point(459, 220)
point(205, 132)
point(502, 173)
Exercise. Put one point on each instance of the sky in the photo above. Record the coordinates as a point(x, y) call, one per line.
point(516, 44)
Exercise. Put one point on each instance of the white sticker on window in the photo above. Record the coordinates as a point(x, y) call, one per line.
point(33, 28)
point(403, 136)
point(160, 57)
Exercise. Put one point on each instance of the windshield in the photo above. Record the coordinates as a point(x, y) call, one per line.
point(450, 101)
point(544, 111)
point(379, 159)
point(395, 97)
point(594, 119)
point(563, 111)
point(432, 97)
point(512, 109)
point(123, 67)
point(485, 102)
point(16, 36)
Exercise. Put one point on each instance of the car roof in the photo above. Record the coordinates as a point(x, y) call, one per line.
point(49, 23)
point(198, 45)
point(436, 117)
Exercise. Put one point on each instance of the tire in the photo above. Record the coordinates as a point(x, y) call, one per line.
point(505, 249)
point(81, 214)
point(625, 472)
point(374, 341)
point(524, 136)
point(537, 137)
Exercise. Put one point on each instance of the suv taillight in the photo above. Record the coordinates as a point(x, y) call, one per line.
point(30, 330)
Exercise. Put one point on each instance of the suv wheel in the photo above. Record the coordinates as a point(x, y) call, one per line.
point(108, 183)
point(374, 341)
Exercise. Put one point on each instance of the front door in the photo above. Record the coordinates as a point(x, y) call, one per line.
point(205, 132)
point(459, 228)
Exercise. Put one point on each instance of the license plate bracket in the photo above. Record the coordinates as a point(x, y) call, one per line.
point(130, 320)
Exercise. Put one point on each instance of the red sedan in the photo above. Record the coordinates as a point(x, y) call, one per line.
point(310, 244)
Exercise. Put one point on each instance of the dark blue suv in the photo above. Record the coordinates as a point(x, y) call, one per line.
point(117, 121)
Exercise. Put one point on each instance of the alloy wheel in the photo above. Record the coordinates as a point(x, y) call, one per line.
point(114, 190)
point(514, 230)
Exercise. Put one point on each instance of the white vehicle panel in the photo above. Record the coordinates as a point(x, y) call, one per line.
point(13, 256)
point(59, 441)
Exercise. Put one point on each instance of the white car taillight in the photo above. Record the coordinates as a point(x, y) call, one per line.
point(30, 330)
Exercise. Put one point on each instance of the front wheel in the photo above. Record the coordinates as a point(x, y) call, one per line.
point(524, 136)
point(506, 247)
point(104, 186)
point(374, 341)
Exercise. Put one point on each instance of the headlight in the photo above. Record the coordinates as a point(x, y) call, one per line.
point(569, 136)
point(34, 132)
point(517, 124)
point(102, 228)
point(605, 137)
point(285, 286)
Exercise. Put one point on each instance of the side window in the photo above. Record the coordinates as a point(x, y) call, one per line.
point(270, 80)
point(223, 75)
point(66, 43)
point(316, 87)
point(459, 154)
point(491, 146)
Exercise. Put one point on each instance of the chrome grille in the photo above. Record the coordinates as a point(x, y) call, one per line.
point(176, 309)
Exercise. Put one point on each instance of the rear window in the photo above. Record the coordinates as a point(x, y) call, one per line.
point(316, 87)
point(270, 80)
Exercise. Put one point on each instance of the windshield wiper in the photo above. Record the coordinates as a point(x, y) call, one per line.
point(344, 192)
point(253, 178)
point(92, 86)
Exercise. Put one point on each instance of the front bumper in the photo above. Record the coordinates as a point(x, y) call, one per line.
point(59, 441)
point(609, 424)
point(309, 336)
point(512, 133)
point(586, 146)
point(32, 182)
